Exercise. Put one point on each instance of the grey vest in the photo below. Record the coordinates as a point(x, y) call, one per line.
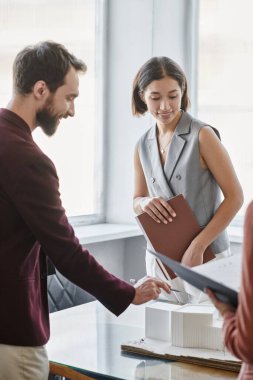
point(182, 173)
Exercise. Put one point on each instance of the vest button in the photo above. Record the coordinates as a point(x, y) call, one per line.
point(178, 176)
point(152, 179)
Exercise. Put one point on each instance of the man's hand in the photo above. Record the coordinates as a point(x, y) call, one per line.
point(149, 290)
point(221, 306)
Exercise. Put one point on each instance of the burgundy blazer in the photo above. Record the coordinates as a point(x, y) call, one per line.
point(33, 219)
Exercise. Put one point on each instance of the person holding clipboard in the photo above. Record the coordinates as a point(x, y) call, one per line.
point(235, 308)
point(181, 155)
point(238, 323)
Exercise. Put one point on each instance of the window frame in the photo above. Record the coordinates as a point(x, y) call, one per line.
point(101, 16)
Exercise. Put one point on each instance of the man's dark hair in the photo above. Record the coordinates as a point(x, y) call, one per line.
point(47, 61)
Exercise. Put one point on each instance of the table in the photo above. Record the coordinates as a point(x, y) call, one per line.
point(85, 344)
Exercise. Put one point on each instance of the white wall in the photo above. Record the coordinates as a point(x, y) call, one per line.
point(137, 30)
point(110, 254)
point(125, 258)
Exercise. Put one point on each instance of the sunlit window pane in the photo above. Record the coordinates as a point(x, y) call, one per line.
point(225, 80)
point(72, 149)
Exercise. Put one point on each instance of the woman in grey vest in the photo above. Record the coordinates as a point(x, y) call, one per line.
point(181, 155)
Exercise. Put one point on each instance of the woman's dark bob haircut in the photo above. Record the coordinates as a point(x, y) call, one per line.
point(154, 69)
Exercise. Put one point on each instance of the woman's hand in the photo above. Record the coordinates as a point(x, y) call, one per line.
point(193, 255)
point(158, 208)
point(221, 306)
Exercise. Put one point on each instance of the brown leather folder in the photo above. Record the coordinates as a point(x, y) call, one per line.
point(173, 239)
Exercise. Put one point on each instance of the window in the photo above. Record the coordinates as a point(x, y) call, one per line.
point(225, 80)
point(73, 148)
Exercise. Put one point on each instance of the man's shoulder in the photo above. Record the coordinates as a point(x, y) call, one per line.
point(13, 144)
point(18, 152)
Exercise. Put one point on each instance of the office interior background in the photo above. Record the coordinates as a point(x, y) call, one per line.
point(213, 42)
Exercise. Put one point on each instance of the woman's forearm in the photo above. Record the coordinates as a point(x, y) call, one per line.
point(221, 219)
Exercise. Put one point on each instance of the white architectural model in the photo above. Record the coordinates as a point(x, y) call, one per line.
point(195, 326)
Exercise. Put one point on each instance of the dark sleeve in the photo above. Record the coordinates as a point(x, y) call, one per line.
point(37, 199)
point(238, 325)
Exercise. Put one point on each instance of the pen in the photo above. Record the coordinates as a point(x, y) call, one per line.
point(133, 282)
point(175, 291)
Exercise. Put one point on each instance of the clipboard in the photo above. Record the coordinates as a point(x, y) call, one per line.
point(201, 282)
point(174, 238)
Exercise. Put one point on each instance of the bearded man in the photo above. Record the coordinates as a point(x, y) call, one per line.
point(33, 223)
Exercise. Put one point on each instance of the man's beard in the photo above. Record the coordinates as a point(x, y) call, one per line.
point(46, 119)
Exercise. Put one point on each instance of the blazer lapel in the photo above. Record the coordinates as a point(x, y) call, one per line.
point(157, 168)
point(177, 145)
point(160, 174)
